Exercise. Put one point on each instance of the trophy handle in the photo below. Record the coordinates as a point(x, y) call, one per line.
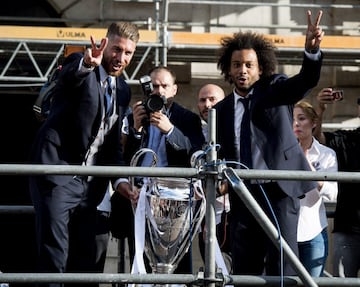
point(141, 152)
point(137, 156)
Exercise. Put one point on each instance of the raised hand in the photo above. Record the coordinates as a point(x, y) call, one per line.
point(314, 33)
point(93, 56)
point(325, 96)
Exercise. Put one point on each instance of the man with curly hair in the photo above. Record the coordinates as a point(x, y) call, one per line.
point(265, 99)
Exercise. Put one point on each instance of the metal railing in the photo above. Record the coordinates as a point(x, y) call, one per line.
point(196, 279)
point(212, 171)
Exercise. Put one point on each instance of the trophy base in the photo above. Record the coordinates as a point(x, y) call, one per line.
point(163, 268)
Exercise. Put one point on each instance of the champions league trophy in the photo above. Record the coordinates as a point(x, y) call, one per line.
point(169, 214)
point(173, 217)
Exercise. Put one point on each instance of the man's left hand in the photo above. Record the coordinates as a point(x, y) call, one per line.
point(314, 33)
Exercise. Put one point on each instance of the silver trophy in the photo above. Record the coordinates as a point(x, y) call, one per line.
point(174, 209)
point(173, 216)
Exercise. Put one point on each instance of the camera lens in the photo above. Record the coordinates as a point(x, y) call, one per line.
point(154, 103)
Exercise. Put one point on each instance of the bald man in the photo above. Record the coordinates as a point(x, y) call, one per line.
point(208, 96)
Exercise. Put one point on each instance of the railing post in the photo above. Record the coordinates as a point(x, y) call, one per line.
point(211, 179)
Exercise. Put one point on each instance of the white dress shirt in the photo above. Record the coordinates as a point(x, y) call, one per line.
point(312, 216)
point(257, 159)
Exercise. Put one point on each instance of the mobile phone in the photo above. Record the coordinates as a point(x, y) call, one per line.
point(338, 95)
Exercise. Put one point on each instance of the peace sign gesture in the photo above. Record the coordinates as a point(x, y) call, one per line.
point(314, 33)
point(93, 56)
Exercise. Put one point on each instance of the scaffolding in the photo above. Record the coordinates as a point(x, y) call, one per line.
point(29, 54)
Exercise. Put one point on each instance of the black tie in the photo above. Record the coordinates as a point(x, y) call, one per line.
point(108, 93)
point(245, 135)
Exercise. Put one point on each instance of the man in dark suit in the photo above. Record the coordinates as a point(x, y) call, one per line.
point(83, 128)
point(248, 61)
point(173, 132)
point(180, 129)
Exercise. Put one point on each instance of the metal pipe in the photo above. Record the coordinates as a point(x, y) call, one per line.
point(29, 209)
point(164, 36)
point(255, 4)
point(157, 29)
point(125, 171)
point(188, 279)
point(210, 221)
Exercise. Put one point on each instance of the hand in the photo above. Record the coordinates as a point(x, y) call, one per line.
point(93, 56)
point(222, 187)
point(324, 97)
point(139, 115)
point(161, 121)
point(125, 190)
point(314, 33)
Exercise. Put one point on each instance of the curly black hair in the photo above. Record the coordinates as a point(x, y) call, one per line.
point(263, 47)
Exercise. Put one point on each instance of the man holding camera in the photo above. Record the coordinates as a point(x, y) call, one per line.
point(172, 132)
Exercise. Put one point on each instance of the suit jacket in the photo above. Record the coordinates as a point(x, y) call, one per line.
point(186, 138)
point(271, 117)
point(74, 121)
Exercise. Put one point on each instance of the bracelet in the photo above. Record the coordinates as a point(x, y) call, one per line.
point(137, 134)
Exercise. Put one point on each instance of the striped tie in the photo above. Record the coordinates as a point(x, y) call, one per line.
point(108, 93)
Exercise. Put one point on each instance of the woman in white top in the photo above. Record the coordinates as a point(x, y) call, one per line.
point(312, 226)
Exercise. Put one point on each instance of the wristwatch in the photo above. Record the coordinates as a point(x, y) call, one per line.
point(136, 134)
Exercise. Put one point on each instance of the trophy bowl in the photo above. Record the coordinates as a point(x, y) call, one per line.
point(174, 211)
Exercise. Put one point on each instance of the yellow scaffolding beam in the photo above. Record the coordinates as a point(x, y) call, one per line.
point(175, 37)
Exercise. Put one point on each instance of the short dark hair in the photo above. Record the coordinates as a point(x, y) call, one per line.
point(263, 47)
point(159, 68)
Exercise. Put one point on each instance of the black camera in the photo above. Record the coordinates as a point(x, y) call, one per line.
point(152, 102)
point(338, 95)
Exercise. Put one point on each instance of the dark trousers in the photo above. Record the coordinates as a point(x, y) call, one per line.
point(102, 239)
point(253, 253)
point(65, 227)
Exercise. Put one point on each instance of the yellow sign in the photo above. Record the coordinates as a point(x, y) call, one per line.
point(175, 38)
point(62, 34)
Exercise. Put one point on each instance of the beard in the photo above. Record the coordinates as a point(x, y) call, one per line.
point(116, 73)
point(242, 90)
point(109, 67)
